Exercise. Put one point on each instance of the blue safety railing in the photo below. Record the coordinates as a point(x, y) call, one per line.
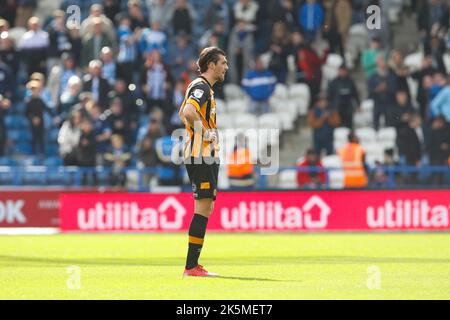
point(391, 177)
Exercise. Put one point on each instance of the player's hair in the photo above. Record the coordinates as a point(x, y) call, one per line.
point(208, 55)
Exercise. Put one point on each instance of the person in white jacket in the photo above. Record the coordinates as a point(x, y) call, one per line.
point(68, 138)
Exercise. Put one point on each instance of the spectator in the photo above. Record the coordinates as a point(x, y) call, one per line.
point(33, 45)
point(94, 43)
point(426, 70)
point(353, 159)
point(177, 100)
point(218, 12)
point(411, 142)
point(344, 96)
point(338, 19)
point(5, 104)
point(128, 51)
point(69, 138)
point(190, 74)
point(180, 53)
point(440, 105)
point(155, 80)
point(309, 65)
point(92, 22)
point(111, 9)
point(153, 39)
point(86, 152)
point(101, 129)
point(240, 168)
point(35, 109)
point(246, 12)
point(58, 38)
point(369, 57)
point(400, 113)
point(24, 11)
point(58, 79)
point(160, 11)
point(381, 173)
point(439, 146)
point(8, 52)
point(215, 37)
point(75, 41)
point(182, 17)
point(283, 11)
point(136, 14)
point(148, 158)
point(240, 50)
point(6, 80)
point(311, 173)
point(95, 83)
point(259, 84)
point(118, 158)
point(129, 107)
point(311, 17)
point(279, 50)
point(118, 119)
point(323, 119)
point(108, 65)
point(70, 97)
point(8, 14)
point(435, 48)
point(400, 71)
point(431, 17)
point(382, 88)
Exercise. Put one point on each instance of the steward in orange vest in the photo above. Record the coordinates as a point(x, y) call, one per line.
point(240, 166)
point(353, 162)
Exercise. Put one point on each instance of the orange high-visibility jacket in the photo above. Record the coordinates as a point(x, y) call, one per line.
point(239, 163)
point(353, 165)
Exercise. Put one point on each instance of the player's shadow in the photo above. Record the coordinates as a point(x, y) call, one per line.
point(254, 279)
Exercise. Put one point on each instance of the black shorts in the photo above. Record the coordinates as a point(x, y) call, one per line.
point(203, 177)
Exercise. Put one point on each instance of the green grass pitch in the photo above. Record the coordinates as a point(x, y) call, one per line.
point(252, 266)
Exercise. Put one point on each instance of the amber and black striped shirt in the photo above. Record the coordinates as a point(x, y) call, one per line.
point(201, 95)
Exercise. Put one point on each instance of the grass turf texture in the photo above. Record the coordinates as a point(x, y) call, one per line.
point(252, 266)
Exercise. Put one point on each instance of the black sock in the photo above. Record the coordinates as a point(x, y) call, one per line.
point(197, 231)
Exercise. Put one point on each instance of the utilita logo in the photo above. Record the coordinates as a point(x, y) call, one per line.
point(128, 216)
point(408, 213)
point(11, 211)
point(271, 215)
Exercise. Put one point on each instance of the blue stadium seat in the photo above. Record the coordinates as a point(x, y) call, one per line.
point(53, 162)
point(51, 150)
point(52, 135)
point(28, 161)
point(166, 173)
point(19, 135)
point(16, 122)
point(22, 148)
point(6, 161)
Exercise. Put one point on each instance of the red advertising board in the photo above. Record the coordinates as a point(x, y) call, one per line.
point(284, 211)
point(31, 208)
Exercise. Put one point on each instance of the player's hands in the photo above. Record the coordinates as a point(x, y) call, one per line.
point(210, 136)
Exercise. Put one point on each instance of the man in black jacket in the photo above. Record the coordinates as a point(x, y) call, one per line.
point(94, 83)
point(344, 96)
point(412, 143)
point(86, 151)
point(35, 108)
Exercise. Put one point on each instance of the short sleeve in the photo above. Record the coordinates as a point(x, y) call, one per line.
point(199, 95)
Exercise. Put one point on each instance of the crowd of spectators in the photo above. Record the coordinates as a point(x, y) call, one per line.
point(111, 85)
